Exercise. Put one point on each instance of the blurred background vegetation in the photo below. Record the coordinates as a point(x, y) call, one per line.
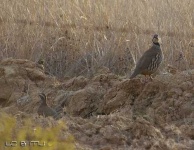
point(78, 37)
point(46, 130)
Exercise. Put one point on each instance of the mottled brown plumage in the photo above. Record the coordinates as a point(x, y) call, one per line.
point(45, 110)
point(150, 60)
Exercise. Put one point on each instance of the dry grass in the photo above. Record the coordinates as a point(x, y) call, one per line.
point(79, 36)
point(49, 134)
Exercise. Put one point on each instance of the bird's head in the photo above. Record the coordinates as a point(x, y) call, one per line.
point(41, 61)
point(42, 97)
point(156, 39)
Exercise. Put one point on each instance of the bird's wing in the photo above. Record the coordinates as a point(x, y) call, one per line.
point(146, 59)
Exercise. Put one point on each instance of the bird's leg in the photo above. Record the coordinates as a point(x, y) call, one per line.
point(147, 79)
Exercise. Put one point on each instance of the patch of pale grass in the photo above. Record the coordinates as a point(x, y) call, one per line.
point(26, 131)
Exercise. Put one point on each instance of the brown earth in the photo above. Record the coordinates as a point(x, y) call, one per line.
point(108, 112)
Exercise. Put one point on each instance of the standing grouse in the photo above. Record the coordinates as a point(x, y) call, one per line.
point(150, 60)
point(45, 110)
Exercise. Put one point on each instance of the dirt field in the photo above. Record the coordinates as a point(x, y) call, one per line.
point(103, 112)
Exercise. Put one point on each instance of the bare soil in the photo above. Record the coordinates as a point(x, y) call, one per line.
point(107, 111)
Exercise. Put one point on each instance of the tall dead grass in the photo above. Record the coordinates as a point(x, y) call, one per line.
point(80, 36)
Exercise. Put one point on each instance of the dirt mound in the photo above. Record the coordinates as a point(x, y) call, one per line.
point(107, 111)
point(21, 81)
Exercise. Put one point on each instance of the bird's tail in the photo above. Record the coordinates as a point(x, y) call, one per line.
point(134, 72)
point(133, 75)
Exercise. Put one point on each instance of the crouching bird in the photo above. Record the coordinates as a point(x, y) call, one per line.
point(45, 110)
point(150, 60)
